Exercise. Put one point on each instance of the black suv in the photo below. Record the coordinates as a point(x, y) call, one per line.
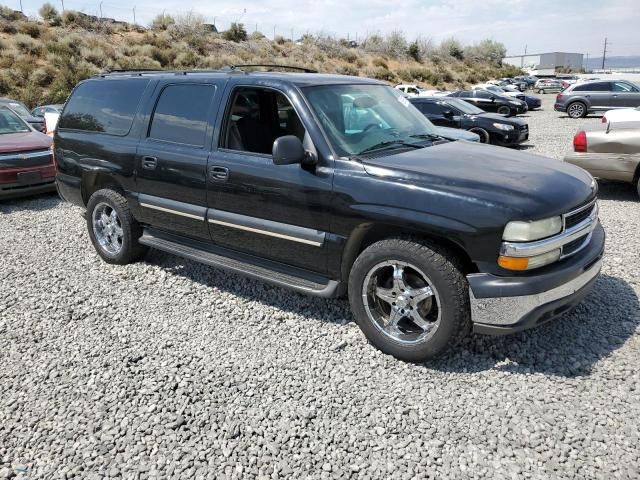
point(490, 127)
point(490, 102)
point(330, 184)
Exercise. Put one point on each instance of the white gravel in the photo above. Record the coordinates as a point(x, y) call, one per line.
point(168, 368)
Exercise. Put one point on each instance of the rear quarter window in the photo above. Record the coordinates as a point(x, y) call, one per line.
point(104, 106)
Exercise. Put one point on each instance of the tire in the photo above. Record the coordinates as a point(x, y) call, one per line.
point(638, 186)
point(382, 270)
point(541, 90)
point(484, 135)
point(577, 110)
point(114, 235)
point(504, 110)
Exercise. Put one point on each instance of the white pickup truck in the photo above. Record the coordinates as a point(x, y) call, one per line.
point(416, 91)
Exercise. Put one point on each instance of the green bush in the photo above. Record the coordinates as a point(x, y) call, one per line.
point(48, 12)
point(29, 28)
point(347, 70)
point(26, 44)
point(414, 51)
point(380, 62)
point(7, 26)
point(162, 22)
point(10, 14)
point(236, 33)
point(381, 73)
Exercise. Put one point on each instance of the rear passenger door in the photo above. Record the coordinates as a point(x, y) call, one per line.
point(436, 113)
point(172, 155)
point(599, 94)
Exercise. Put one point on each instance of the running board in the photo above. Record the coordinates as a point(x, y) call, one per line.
point(268, 271)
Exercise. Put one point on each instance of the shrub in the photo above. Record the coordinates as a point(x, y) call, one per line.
point(7, 26)
point(396, 44)
point(380, 73)
point(190, 23)
point(257, 36)
point(347, 70)
point(42, 76)
point(10, 14)
point(162, 22)
point(452, 48)
point(380, 62)
point(48, 12)
point(29, 28)
point(26, 44)
point(280, 40)
point(349, 56)
point(236, 33)
point(487, 51)
point(405, 75)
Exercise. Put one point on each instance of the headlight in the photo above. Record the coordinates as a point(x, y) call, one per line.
point(529, 263)
point(528, 231)
point(502, 126)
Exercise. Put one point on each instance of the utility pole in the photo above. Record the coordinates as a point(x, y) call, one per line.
point(134, 15)
point(292, 34)
point(21, 6)
point(604, 52)
point(62, 1)
point(100, 10)
point(274, 32)
point(522, 58)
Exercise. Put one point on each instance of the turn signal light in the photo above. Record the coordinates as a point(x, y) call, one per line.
point(513, 263)
point(580, 142)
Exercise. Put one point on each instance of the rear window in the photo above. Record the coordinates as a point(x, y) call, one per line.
point(181, 114)
point(106, 106)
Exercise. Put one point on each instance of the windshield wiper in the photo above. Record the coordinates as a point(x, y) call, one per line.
point(389, 143)
point(428, 136)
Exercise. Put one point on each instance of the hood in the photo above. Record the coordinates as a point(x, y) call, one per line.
point(515, 185)
point(457, 134)
point(23, 141)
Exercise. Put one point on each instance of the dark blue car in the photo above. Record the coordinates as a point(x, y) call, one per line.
point(532, 102)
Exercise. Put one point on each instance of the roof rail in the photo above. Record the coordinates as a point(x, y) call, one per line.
point(272, 66)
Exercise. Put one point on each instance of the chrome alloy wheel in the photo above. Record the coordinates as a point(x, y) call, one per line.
point(107, 228)
point(401, 301)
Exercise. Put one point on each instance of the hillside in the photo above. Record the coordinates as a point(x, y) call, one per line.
point(42, 59)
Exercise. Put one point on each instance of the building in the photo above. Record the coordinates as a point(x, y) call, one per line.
point(546, 61)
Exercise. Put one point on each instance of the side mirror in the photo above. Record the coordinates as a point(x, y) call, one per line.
point(448, 114)
point(493, 99)
point(287, 150)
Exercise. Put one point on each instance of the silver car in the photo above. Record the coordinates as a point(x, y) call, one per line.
point(582, 98)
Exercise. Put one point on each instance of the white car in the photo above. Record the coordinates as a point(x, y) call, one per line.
point(622, 115)
point(416, 91)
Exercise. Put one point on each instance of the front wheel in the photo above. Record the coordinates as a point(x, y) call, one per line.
point(504, 110)
point(409, 298)
point(541, 90)
point(482, 133)
point(112, 229)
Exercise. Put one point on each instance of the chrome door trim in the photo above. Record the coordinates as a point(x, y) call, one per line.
point(271, 228)
point(174, 207)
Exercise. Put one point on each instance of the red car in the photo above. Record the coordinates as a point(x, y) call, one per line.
point(26, 158)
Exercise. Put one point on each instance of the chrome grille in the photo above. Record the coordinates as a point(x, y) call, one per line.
point(571, 219)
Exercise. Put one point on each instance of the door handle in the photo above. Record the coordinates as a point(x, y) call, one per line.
point(149, 163)
point(219, 173)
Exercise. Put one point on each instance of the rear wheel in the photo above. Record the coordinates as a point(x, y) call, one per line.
point(112, 229)
point(576, 110)
point(541, 90)
point(504, 110)
point(482, 133)
point(409, 298)
point(638, 186)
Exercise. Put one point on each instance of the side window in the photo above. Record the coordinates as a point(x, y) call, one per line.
point(256, 117)
point(594, 87)
point(466, 94)
point(432, 108)
point(180, 115)
point(106, 106)
point(482, 94)
point(413, 90)
point(623, 87)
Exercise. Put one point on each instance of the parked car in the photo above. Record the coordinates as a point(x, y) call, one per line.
point(566, 80)
point(583, 98)
point(547, 85)
point(490, 102)
point(489, 87)
point(454, 134)
point(456, 113)
point(23, 112)
point(522, 86)
point(410, 90)
point(610, 152)
point(530, 80)
point(26, 160)
point(622, 115)
point(277, 176)
point(42, 109)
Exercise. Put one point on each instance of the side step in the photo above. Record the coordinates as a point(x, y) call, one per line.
point(268, 271)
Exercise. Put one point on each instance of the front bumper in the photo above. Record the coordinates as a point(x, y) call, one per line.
point(501, 305)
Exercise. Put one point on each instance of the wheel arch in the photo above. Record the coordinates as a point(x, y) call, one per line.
point(92, 181)
point(367, 234)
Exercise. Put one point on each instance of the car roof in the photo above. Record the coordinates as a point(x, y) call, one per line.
point(298, 79)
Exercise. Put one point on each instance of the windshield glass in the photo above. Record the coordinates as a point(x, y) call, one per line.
point(464, 107)
point(11, 123)
point(357, 118)
point(19, 109)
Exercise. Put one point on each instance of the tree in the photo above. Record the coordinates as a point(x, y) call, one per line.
point(236, 33)
point(488, 51)
point(162, 22)
point(48, 12)
point(414, 51)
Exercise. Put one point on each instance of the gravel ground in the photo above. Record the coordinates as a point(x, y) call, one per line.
point(167, 368)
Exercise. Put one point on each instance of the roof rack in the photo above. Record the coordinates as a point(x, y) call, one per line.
point(272, 66)
point(229, 68)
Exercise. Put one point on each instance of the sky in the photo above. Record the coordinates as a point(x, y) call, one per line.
point(537, 25)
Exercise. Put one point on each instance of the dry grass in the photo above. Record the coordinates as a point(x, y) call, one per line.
point(41, 61)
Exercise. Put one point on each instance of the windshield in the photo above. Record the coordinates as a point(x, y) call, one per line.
point(11, 123)
point(19, 109)
point(464, 107)
point(359, 118)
